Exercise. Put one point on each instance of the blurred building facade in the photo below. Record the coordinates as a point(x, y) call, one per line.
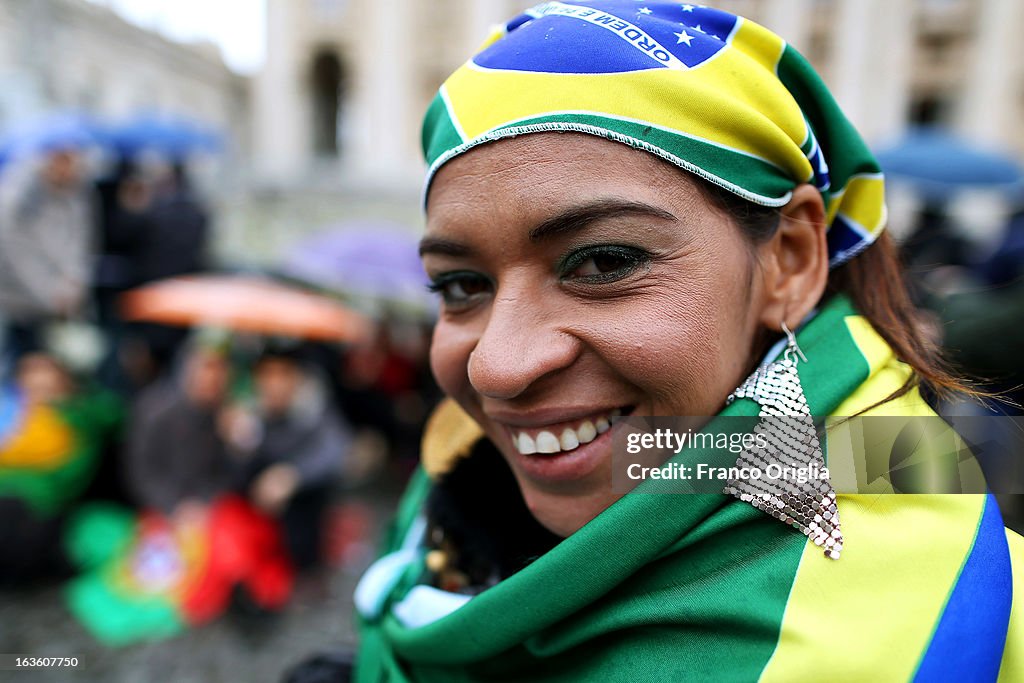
point(346, 81)
point(73, 54)
point(896, 63)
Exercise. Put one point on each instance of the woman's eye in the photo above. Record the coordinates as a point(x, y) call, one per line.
point(602, 264)
point(599, 264)
point(460, 289)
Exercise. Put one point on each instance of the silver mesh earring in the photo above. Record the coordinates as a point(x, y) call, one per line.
point(787, 429)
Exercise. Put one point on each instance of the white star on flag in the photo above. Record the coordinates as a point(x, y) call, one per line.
point(645, 10)
point(687, 8)
point(683, 38)
point(698, 29)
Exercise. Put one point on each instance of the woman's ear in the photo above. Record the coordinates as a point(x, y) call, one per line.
point(795, 261)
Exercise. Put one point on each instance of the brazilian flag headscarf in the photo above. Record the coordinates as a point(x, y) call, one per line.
point(705, 90)
point(700, 587)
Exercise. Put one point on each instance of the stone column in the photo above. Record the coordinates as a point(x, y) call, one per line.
point(791, 19)
point(851, 49)
point(873, 43)
point(888, 82)
point(988, 108)
point(281, 127)
point(383, 144)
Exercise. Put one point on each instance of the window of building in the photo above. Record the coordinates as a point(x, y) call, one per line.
point(327, 86)
point(930, 110)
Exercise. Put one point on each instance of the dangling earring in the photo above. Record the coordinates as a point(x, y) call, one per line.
point(790, 440)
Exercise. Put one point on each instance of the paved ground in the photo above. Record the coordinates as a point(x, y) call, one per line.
point(233, 649)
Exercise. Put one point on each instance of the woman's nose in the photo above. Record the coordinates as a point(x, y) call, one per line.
point(523, 342)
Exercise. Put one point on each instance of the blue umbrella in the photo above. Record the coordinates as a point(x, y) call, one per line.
point(52, 132)
point(938, 163)
point(173, 136)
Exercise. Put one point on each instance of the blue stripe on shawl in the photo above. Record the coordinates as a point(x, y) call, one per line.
point(969, 639)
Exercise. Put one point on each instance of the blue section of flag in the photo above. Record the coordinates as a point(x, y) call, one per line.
point(844, 240)
point(12, 408)
point(610, 36)
point(822, 175)
point(968, 642)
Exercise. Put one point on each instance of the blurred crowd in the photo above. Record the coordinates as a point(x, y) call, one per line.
point(976, 293)
point(169, 420)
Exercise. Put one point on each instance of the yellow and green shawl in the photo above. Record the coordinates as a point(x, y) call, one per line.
point(705, 587)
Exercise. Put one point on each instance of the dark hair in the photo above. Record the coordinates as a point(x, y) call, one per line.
point(875, 282)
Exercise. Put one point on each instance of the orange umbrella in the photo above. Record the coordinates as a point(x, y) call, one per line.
point(244, 304)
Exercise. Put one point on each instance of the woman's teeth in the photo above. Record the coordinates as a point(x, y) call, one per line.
point(547, 442)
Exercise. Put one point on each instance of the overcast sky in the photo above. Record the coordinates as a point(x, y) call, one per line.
point(237, 26)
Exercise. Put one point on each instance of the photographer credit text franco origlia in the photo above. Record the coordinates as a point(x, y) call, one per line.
point(704, 472)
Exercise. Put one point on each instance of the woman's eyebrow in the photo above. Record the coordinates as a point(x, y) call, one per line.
point(439, 245)
point(579, 217)
point(570, 220)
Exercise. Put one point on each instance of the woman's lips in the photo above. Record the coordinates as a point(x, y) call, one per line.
point(563, 451)
point(562, 437)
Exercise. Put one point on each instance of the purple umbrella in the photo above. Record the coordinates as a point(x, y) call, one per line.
point(369, 261)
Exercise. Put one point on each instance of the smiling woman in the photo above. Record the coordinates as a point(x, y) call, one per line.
point(601, 283)
point(629, 207)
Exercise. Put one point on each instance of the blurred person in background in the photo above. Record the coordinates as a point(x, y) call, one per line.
point(46, 241)
point(294, 444)
point(935, 241)
point(176, 461)
point(981, 324)
point(976, 299)
point(1006, 265)
point(123, 221)
point(177, 237)
point(124, 198)
point(983, 338)
point(386, 389)
point(172, 241)
point(42, 379)
point(53, 433)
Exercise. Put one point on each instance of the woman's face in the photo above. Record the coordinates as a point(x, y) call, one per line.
point(582, 279)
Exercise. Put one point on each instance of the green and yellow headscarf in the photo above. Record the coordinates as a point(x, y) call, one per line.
point(710, 92)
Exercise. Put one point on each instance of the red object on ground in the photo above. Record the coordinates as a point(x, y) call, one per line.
point(245, 548)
